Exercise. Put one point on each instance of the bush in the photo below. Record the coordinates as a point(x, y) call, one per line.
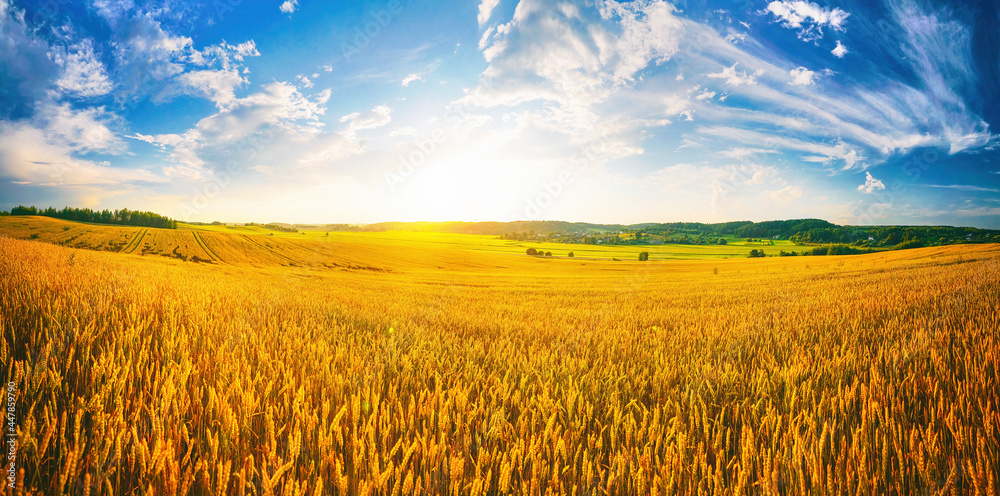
point(643, 256)
point(548, 254)
point(906, 245)
point(838, 250)
point(722, 241)
point(784, 253)
point(755, 253)
point(570, 255)
point(532, 251)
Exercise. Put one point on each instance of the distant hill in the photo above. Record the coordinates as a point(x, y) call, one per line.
point(810, 231)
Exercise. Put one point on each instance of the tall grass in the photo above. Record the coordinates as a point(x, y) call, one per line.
point(154, 376)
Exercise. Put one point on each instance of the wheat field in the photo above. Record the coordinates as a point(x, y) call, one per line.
point(391, 367)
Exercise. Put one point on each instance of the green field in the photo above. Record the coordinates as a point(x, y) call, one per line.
point(735, 247)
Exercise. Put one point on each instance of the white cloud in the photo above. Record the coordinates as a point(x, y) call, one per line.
point(705, 95)
point(871, 184)
point(277, 122)
point(288, 6)
point(82, 73)
point(27, 71)
point(218, 86)
point(839, 51)
point(326, 68)
point(33, 155)
point(807, 17)
point(156, 64)
point(802, 76)
point(113, 10)
point(785, 195)
point(79, 130)
point(486, 10)
point(734, 78)
point(304, 81)
point(561, 67)
point(376, 117)
point(147, 57)
point(547, 55)
point(412, 78)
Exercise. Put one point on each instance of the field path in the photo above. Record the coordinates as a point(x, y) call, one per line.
point(264, 246)
point(204, 246)
point(135, 242)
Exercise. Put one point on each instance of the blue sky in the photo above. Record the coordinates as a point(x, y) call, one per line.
point(646, 111)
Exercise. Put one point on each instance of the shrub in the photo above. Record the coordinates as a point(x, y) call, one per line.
point(906, 245)
point(755, 253)
point(570, 255)
point(643, 256)
point(548, 254)
point(532, 251)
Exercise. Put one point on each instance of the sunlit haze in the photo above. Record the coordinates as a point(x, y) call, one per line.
point(648, 111)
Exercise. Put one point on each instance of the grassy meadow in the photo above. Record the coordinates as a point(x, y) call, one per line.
point(230, 361)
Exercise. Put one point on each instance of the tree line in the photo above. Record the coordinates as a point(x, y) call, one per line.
point(123, 217)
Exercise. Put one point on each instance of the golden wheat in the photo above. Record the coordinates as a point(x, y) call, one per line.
point(451, 373)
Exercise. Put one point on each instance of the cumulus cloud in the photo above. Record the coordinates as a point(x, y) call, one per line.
point(288, 6)
point(152, 63)
point(737, 78)
point(561, 67)
point(807, 17)
point(785, 195)
point(83, 74)
point(113, 10)
point(839, 51)
point(304, 81)
point(147, 57)
point(486, 10)
point(83, 131)
point(34, 155)
point(545, 54)
point(802, 76)
point(871, 184)
point(376, 117)
point(27, 71)
point(705, 95)
point(217, 86)
point(276, 125)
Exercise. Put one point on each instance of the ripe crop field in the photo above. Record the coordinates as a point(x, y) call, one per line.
point(400, 364)
point(260, 246)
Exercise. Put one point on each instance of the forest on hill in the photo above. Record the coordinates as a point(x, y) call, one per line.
point(123, 217)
